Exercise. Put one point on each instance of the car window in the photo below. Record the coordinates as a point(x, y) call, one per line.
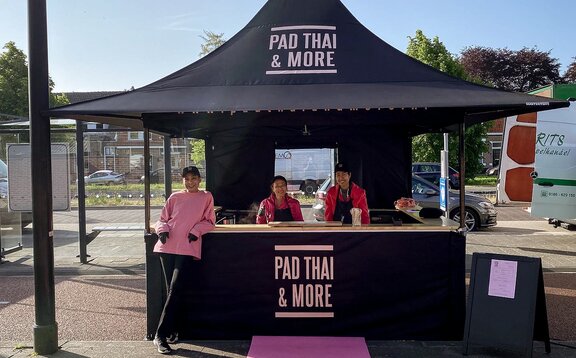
point(420, 187)
point(429, 168)
point(325, 185)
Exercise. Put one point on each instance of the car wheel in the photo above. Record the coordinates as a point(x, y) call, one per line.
point(310, 189)
point(109, 183)
point(471, 220)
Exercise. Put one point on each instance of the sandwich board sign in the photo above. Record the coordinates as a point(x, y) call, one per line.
point(506, 303)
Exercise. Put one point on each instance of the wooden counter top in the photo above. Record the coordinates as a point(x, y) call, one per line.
point(440, 224)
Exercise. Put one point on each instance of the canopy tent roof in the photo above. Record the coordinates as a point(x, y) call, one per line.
point(300, 56)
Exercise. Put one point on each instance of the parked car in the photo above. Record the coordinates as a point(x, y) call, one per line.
point(480, 212)
point(493, 170)
point(320, 197)
point(106, 177)
point(432, 172)
point(156, 176)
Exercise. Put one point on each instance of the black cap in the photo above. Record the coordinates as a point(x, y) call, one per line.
point(341, 167)
point(192, 170)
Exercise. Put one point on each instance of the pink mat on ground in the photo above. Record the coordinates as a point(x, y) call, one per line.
point(308, 347)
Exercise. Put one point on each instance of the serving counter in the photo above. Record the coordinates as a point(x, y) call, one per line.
point(375, 281)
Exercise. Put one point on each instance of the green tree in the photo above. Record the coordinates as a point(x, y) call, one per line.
point(434, 53)
point(14, 83)
point(570, 75)
point(197, 152)
point(211, 42)
point(197, 146)
point(427, 147)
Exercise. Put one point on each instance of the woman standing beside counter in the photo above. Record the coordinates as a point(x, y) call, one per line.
point(186, 216)
point(279, 206)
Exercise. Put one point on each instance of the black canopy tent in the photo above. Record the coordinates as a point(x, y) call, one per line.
point(302, 74)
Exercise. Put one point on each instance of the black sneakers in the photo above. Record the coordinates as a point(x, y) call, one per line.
point(162, 345)
point(173, 338)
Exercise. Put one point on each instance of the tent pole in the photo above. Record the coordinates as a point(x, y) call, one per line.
point(462, 158)
point(147, 180)
point(167, 167)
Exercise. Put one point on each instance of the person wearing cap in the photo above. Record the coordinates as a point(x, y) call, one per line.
point(279, 206)
point(187, 215)
point(344, 196)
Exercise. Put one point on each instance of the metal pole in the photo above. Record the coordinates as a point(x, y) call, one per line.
point(45, 327)
point(462, 157)
point(147, 180)
point(167, 167)
point(81, 192)
point(446, 173)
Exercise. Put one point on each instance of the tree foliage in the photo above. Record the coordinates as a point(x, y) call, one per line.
point(14, 83)
point(198, 152)
point(211, 42)
point(519, 71)
point(570, 75)
point(427, 147)
point(434, 53)
point(198, 146)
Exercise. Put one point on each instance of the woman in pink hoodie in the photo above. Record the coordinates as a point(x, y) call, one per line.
point(186, 216)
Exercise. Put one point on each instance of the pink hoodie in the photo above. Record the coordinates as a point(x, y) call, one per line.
point(182, 214)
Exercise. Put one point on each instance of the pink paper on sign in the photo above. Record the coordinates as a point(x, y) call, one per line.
point(502, 281)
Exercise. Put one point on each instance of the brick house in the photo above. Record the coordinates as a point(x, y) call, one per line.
point(122, 150)
point(494, 139)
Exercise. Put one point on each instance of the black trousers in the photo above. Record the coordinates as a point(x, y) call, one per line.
point(174, 268)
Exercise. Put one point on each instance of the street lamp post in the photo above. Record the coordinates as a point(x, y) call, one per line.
point(45, 327)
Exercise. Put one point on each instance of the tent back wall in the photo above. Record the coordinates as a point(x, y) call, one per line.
point(242, 166)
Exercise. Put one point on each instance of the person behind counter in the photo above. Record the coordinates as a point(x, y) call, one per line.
point(186, 216)
point(279, 206)
point(344, 196)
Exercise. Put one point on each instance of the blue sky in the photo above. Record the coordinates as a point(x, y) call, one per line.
point(101, 45)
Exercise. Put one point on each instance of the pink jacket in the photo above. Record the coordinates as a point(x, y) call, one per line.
point(267, 206)
point(358, 197)
point(182, 214)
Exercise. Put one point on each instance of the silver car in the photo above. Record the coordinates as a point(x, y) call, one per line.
point(480, 212)
point(106, 177)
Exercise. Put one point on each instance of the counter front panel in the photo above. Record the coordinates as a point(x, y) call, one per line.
point(374, 284)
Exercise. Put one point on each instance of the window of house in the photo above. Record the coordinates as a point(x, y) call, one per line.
point(496, 152)
point(109, 151)
point(136, 135)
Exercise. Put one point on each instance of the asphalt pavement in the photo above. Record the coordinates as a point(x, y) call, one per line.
point(101, 305)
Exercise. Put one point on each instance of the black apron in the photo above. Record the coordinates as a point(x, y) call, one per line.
point(342, 210)
point(283, 215)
